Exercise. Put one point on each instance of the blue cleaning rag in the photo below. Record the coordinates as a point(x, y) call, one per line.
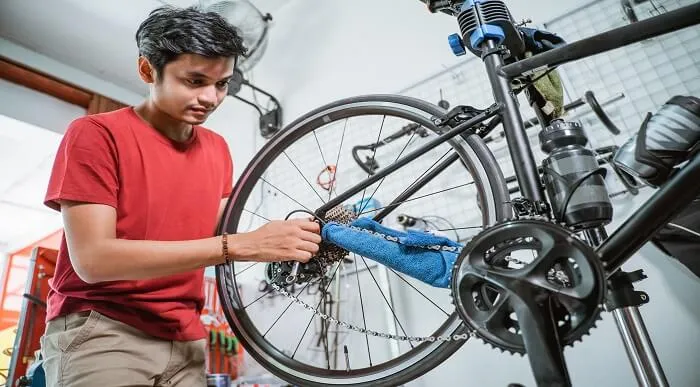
point(407, 254)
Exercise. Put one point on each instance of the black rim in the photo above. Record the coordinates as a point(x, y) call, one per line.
point(239, 320)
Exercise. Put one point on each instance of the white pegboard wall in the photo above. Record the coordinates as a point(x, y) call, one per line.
point(648, 74)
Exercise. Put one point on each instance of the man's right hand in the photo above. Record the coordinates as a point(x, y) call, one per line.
point(290, 240)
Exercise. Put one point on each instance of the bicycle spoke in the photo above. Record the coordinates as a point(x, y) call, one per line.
point(428, 170)
point(385, 300)
point(337, 161)
point(303, 177)
point(324, 333)
point(256, 214)
point(419, 292)
point(374, 154)
point(418, 197)
point(285, 194)
point(382, 181)
point(259, 298)
point(320, 150)
point(285, 310)
point(447, 222)
point(246, 269)
point(417, 184)
point(315, 311)
point(362, 306)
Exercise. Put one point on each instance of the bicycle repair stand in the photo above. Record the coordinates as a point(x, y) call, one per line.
point(624, 302)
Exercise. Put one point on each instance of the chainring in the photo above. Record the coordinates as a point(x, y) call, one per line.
point(564, 270)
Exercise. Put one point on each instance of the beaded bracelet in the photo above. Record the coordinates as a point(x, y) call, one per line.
point(224, 247)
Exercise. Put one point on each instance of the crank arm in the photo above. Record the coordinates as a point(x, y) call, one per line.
point(541, 338)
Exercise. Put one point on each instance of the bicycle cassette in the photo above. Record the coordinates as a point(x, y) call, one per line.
point(289, 272)
point(496, 276)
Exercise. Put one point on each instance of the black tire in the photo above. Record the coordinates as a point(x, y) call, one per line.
point(493, 200)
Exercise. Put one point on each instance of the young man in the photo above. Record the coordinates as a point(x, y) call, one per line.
point(141, 190)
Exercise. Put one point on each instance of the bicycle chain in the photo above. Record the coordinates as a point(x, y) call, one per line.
point(346, 325)
point(343, 324)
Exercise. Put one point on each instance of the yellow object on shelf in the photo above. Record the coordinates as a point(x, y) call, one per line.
point(7, 341)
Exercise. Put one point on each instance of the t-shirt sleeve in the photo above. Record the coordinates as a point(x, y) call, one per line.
point(228, 172)
point(86, 166)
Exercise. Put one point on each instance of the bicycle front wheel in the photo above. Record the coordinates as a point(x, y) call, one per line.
point(305, 165)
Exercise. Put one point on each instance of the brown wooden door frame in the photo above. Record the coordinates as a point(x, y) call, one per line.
point(44, 83)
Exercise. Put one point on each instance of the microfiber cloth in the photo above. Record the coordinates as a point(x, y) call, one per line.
point(407, 252)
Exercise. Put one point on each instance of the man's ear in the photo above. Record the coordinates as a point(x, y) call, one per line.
point(146, 71)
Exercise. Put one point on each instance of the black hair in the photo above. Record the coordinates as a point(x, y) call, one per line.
point(170, 31)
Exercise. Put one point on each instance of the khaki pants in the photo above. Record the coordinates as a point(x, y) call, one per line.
point(91, 350)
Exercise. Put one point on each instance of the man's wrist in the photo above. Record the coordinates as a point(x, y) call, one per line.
point(224, 248)
point(239, 249)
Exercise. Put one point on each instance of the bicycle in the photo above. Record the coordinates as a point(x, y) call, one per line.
point(489, 285)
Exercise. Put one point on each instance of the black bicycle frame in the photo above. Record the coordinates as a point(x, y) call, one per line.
point(638, 229)
point(546, 358)
point(668, 201)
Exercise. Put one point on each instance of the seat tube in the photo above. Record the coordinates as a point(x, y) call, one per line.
point(516, 137)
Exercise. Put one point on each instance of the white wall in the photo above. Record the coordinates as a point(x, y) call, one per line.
point(344, 48)
point(26, 153)
point(33, 107)
point(31, 124)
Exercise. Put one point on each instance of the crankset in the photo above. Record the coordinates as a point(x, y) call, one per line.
point(529, 281)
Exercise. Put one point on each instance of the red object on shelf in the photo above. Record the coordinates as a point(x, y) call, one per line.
point(15, 276)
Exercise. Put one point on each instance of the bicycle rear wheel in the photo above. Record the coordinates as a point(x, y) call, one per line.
point(273, 167)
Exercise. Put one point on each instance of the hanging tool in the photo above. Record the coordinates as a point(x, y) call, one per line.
point(370, 165)
point(326, 178)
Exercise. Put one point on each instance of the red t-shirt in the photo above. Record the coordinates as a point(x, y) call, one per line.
point(162, 191)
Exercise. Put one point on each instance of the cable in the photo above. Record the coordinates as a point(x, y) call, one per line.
point(410, 221)
point(532, 81)
point(306, 212)
point(448, 223)
point(573, 188)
